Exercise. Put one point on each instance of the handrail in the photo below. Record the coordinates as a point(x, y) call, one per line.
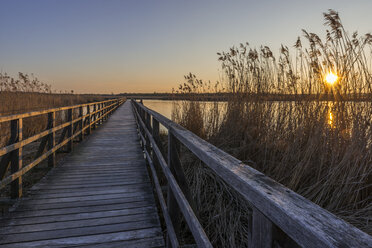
point(190, 217)
point(303, 221)
point(11, 155)
point(46, 111)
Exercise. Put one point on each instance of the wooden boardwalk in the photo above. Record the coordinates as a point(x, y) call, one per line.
point(101, 196)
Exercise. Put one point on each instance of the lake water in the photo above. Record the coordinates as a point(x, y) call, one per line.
point(163, 107)
point(342, 115)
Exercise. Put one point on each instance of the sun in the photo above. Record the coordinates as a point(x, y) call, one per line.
point(331, 78)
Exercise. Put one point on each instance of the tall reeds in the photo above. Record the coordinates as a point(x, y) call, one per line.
point(26, 93)
point(320, 149)
point(259, 71)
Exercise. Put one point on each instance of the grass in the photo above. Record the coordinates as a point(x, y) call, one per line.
point(319, 149)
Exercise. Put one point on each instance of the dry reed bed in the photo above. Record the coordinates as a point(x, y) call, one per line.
point(22, 102)
point(321, 150)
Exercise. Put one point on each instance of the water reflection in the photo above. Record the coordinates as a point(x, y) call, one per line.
point(163, 107)
point(342, 116)
point(330, 119)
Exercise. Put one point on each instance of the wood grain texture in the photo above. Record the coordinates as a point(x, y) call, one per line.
point(306, 223)
point(100, 197)
point(195, 227)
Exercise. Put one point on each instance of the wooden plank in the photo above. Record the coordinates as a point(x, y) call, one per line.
point(90, 239)
point(97, 179)
point(35, 113)
point(94, 117)
point(62, 203)
point(51, 139)
point(192, 221)
point(171, 233)
point(93, 176)
point(81, 123)
point(173, 208)
point(28, 167)
point(145, 242)
point(102, 197)
point(262, 230)
point(6, 159)
point(77, 216)
point(16, 159)
point(54, 203)
point(74, 210)
point(92, 186)
point(70, 130)
point(86, 192)
point(305, 222)
point(177, 170)
point(77, 223)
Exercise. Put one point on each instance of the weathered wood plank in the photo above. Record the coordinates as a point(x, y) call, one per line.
point(35, 113)
point(171, 233)
point(77, 223)
point(51, 139)
point(90, 239)
point(145, 242)
point(100, 195)
point(77, 216)
point(45, 194)
point(192, 221)
point(305, 222)
point(262, 230)
point(74, 210)
point(16, 159)
point(63, 203)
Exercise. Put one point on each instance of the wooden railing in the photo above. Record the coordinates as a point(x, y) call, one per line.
point(11, 155)
point(274, 207)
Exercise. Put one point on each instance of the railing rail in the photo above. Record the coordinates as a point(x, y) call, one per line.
point(11, 155)
point(273, 205)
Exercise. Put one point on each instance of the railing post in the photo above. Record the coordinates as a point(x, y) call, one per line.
point(155, 134)
point(262, 230)
point(106, 111)
point(173, 209)
point(69, 130)
point(89, 119)
point(148, 124)
point(94, 116)
point(81, 123)
point(101, 113)
point(51, 138)
point(142, 132)
point(16, 158)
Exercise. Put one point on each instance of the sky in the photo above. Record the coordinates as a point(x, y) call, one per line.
point(115, 46)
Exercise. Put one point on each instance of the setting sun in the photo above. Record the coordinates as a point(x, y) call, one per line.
point(331, 78)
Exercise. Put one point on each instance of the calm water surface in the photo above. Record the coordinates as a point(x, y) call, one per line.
point(163, 107)
point(345, 112)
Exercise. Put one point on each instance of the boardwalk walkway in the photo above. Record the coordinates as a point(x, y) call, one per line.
point(101, 196)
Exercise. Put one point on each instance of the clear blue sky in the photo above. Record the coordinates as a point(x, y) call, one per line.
point(105, 46)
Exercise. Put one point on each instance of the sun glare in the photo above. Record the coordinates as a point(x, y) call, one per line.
point(331, 78)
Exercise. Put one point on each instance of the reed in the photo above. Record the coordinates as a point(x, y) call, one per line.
point(320, 149)
point(24, 94)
